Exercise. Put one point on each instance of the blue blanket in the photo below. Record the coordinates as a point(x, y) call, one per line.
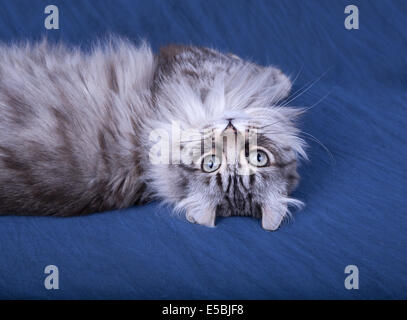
point(354, 185)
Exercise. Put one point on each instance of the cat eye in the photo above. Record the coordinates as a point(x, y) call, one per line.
point(258, 158)
point(210, 163)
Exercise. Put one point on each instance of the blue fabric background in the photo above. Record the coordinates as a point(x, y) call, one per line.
point(356, 197)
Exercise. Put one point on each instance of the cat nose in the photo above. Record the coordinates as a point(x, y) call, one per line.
point(230, 125)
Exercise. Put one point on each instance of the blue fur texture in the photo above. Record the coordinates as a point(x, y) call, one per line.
point(355, 193)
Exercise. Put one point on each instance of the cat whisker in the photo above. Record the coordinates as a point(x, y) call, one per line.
point(307, 87)
point(310, 136)
point(300, 110)
point(281, 94)
point(274, 123)
point(303, 109)
point(301, 134)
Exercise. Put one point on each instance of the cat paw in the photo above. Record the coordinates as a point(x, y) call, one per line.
point(271, 219)
point(205, 218)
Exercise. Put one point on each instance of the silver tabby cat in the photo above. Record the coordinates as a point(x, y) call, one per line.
point(78, 131)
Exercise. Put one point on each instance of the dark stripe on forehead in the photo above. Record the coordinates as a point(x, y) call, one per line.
point(244, 207)
point(229, 183)
point(250, 200)
point(246, 144)
point(219, 180)
point(252, 179)
point(230, 204)
point(235, 190)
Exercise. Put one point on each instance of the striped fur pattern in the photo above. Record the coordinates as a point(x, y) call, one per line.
point(224, 96)
point(76, 131)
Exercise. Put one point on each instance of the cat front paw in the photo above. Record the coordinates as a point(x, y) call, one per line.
point(271, 219)
point(205, 218)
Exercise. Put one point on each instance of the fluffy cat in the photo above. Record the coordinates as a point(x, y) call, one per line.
point(78, 132)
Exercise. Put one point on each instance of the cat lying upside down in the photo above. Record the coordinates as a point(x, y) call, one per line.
point(86, 132)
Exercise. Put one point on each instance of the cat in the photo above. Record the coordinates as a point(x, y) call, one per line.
point(78, 130)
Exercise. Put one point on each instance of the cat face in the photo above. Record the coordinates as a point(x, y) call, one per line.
point(239, 157)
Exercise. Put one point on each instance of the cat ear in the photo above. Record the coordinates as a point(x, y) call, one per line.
point(167, 56)
point(279, 83)
point(171, 51)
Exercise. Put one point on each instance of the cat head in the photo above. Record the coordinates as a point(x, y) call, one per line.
point(226, 148)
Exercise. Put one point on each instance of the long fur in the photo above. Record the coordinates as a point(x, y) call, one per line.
point(68, 124)
point(76, 130)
